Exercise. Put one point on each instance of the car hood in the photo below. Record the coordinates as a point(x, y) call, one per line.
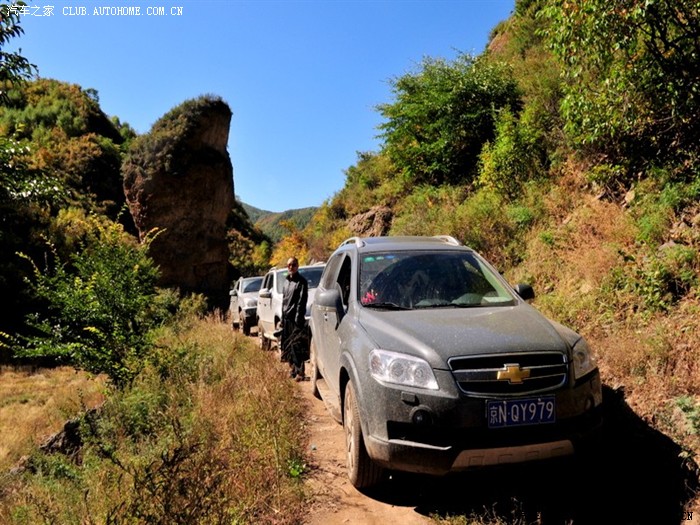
point(249, 295)
point(439, 334)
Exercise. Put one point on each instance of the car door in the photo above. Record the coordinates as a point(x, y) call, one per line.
point(265, 303)
point(330, 320)
point(235, 295)
point(275, 315)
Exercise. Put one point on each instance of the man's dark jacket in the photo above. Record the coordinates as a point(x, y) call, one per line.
point(295, 293)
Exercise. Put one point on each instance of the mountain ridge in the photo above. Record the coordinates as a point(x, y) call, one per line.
point(277, 224)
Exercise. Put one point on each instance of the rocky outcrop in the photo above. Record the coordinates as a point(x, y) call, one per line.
point(178, 179)
point(373, 223)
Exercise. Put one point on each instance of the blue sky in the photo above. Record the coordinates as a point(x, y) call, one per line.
point(302, 78)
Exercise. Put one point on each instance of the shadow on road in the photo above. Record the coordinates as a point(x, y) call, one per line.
point(637, 477)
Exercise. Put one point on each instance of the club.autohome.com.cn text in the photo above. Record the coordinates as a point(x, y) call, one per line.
point(82, 10)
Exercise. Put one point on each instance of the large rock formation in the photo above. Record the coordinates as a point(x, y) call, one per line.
point(178, 178)
point(373, 223)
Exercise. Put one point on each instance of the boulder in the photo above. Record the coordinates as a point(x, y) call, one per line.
point(178, 179)
point(373, 223)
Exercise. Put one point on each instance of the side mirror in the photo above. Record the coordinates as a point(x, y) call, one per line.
point(525, 291)
point(233, 292)
point(265, 293)
point(328, 298)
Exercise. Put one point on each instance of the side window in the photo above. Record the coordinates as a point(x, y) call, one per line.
point(331, 271)
point(344, 280)
point(280, 277)
point(267, 284)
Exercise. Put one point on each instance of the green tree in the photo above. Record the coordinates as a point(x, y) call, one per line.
point(442, 116)
point(26, 197)
point(24, 191)
point(632, 76)
point(57, 150)
point(100, 307)
point(72, 140)
point(14, 68)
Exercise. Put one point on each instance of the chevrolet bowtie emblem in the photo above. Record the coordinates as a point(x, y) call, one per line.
point(513, 373)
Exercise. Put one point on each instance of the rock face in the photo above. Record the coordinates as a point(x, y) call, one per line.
point(178, 178)
point(373, 223)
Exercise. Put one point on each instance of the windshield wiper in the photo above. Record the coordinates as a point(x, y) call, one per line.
point(445, 305)
point(386, 306)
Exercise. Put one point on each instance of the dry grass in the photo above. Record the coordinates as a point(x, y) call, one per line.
point(211, 433)
point(657, 362)
point(36, 402)
point(654, 356)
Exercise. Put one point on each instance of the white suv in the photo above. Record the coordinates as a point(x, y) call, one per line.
point(270, 300)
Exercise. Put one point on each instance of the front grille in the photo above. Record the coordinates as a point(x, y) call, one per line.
point(510, 374)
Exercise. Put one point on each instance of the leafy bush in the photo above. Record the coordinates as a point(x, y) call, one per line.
point(442, 116)
point(72, 140)
point(513, 157)
point(496, 228)
point(691, 409)
point(606, 176)
point(658, 203)
point(631, 75)
point(371, 181)
point(99, 307)
point(428, 210)
point(659, 279)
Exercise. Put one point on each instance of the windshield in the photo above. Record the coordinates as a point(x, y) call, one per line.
point(445, 279)
point(252, 285)
point(311, 273)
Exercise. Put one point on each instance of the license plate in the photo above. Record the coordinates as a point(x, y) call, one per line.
point(518, 412)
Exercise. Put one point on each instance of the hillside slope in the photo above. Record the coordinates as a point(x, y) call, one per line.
point(585, 183)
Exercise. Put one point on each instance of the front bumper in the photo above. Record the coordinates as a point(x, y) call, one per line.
point(250, 315)
point(432, 434)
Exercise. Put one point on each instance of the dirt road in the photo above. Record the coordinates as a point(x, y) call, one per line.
point(610, 486)
point(335, 500)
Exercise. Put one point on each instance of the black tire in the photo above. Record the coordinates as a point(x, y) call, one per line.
point(245, 327)
point(362, 471)
point(264, 341)
point(314, 374)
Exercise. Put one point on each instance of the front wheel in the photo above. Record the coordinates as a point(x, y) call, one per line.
point(362, 471)
point(245, 325)
point(264, 341)
point(314, 374)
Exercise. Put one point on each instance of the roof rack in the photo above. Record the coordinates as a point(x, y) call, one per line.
point(448, 239)
point(353, 240)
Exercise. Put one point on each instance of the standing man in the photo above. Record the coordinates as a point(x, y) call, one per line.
point(294, 296)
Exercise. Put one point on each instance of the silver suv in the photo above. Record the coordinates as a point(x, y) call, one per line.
point(433, 363)
point(244, 303)
point(269, 309)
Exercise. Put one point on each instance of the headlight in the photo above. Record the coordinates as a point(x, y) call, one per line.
point(250, 303)
point(583, 360)
point(401, 369)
